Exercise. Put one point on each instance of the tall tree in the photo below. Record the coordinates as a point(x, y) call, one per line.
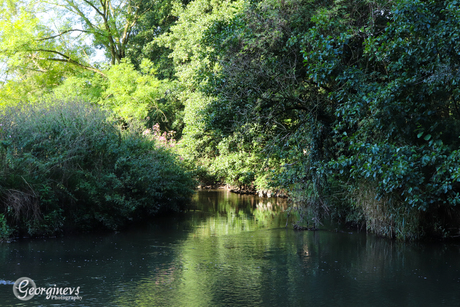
point(150, 26)
point(190, 54)
point(110, 23)
point(43, 43)
point(38, 33)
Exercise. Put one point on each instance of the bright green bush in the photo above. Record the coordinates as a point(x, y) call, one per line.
point(130, 94)
point(64, 166)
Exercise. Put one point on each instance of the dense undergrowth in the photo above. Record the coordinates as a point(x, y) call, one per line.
point(64, 166)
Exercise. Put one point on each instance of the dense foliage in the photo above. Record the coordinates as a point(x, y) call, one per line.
point(350, 106)
point(393, 77)
point(64, 166)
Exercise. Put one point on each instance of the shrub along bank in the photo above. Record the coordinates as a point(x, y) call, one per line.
point(65, 167)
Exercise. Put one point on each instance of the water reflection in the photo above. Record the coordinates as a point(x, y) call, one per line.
point(233, 250)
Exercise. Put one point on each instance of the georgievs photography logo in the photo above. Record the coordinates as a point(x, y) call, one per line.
point(24, 289)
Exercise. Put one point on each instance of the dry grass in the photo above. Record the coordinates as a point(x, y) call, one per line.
point(23, 204)
point(385, 216)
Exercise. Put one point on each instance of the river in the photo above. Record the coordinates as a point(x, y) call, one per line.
point(232, 250)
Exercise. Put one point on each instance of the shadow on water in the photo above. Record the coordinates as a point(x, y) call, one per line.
point(233, 250)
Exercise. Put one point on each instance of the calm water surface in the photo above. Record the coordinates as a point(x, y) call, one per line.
point(233, 250)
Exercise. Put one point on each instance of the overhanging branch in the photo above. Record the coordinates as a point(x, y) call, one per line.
point(68, 59)
point(62, 33)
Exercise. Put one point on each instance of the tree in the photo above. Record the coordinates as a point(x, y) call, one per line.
point(394, 81)
point(109, 23)
point(350, 96)
point(264, 101)
point(27, 72)
point(51, 47)
point(28, 43)
point(190, 57)
point(36, 35)
point(151, 25)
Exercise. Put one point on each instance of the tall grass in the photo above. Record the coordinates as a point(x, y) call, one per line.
point(385, 216)
point(64, 166)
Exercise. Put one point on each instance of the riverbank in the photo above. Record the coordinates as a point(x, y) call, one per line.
point(244, 190)
point(64, 166)
point(233, 250)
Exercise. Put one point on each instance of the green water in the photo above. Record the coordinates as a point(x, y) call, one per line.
point(233, 250)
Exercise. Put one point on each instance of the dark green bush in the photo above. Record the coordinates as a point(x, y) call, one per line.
point(64, 166)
